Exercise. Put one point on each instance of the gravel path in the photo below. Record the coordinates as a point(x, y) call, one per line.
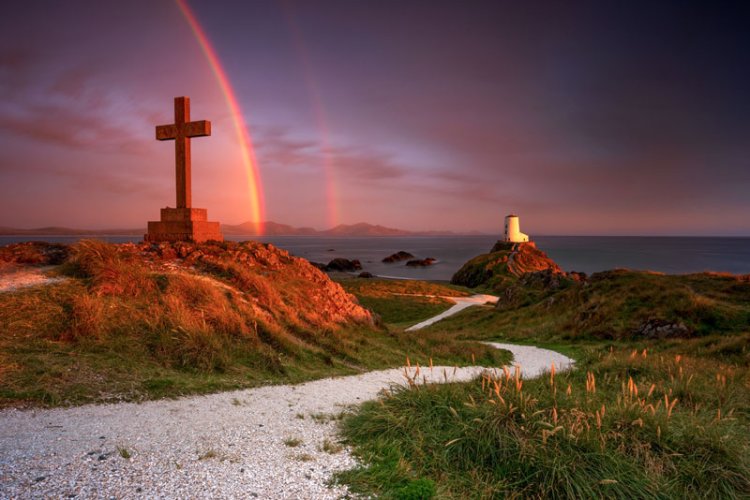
point(228, 445)
point(14, 278)
point(461, 304)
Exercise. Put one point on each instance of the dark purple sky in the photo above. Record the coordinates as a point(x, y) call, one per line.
point(582, 117)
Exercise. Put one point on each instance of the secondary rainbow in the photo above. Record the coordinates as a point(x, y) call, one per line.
point(255, 188)
point(321, 117)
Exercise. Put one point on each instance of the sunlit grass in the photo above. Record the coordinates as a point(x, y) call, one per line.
point(122, 329)
point(626, 424)
point(402, 303)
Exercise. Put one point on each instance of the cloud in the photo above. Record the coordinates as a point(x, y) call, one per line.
point(276, 149)
point(69, 109)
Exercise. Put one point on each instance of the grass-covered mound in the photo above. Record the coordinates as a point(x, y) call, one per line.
point(142, 321)
point(625, 424)
point(616, 305)
point(503, 266)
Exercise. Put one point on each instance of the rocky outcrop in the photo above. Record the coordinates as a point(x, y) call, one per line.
point(343, 265)
point(398, 257)
point(505, 264)
point(546, 279)
point(421, 262)
point(660, 329)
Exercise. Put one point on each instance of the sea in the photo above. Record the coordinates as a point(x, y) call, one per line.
point(589, 254)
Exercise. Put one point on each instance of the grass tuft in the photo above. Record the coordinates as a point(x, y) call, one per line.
point(292, 442)
point(330, 447)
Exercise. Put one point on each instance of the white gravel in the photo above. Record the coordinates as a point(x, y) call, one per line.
point(15, 278)
point(461, 304)
point(228, 445)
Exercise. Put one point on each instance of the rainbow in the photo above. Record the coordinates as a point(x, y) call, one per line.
point(321, 117)
point(255, 188)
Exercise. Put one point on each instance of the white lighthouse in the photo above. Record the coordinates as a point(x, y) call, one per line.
point(513, 232)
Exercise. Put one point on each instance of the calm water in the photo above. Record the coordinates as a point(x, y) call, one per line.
point(573, 253)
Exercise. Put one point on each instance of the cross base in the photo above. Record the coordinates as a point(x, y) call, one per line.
point(183, 224)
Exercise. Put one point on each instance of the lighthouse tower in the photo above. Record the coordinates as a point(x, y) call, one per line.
point(513, 232)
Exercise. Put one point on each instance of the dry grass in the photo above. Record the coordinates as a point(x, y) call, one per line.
point(292, 442)
point(129, 327)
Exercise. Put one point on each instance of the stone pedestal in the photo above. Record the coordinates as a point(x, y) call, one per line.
point(183, 224)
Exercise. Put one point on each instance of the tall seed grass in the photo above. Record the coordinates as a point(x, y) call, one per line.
point(631, 425)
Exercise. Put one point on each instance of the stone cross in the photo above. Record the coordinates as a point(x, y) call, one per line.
point(181, 131)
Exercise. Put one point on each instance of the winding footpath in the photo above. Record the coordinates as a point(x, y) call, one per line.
point(461, 303)
point(230, 445)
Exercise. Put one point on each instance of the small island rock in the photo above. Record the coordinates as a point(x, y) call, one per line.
point(421, 262)
point(345, 265)
point(398, 257)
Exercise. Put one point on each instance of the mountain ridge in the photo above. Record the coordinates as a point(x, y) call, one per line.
point(360, 229)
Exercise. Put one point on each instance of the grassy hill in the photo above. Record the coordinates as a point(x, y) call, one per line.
point(135, 322)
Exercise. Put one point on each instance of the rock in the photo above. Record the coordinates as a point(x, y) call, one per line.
point(344, 265)
point(421, 262)
point(502, 246)
point(319, 265)
point(546, 279)
point(365, 274)
point(661, 329)
point(398, 257)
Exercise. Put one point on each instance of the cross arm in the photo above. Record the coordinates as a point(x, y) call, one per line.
point(166, 132)
point(198, 128)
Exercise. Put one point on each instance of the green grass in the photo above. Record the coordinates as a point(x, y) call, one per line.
point(403, 310)
point(402, 303)
point(682, 434)
point(613, 306)
point(377, 287)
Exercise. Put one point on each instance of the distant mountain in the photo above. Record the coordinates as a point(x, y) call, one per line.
point(66, 231)
point(269, 229)
point(362, 229)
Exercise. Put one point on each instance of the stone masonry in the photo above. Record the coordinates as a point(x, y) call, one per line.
point(183, 223)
